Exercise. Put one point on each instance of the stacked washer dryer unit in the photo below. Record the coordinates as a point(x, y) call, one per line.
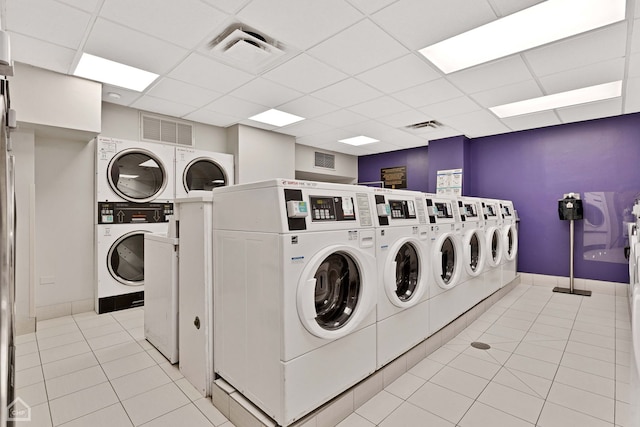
point(446, 259)
point(493, 234)
point(509, 233)
point(474, 251)
point(201, 170)
point(294, 292)
point(134, 195)
point(402, 253)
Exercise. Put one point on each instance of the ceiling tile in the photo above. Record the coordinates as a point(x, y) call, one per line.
point(370, 6)
point(229, 6)
point(381, 147)
point(359, 48)
point(428, 93)
point(507, 7)
point(508, 94)
point(184, 23)
point(127, 97)
point(403, 139)
point(265, 92)
point(435, 134)
point(399, 74)
point(406, 118)
point(492, 75)
point(379, 107)
point(47, 20)
point(41, 54)
point(308, 106)
point(371, 128)
point(476, 124)
point(235, 107)
point(419, 23)
point(341, 118)
point(300, 23)
point(162, 106)
point(121, 44)
point(183, 93)
point(207, 73)
point(304, 128)
point(632, 96)
point(589, 48)
point(347, 93)
point(602, 72)
point(451, 107)
point(212, 118)
point(532, 121)
point(593, 110)
point(86, 5)
point(305, 74)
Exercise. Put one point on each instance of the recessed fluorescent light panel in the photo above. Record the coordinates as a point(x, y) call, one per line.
point(276, 118)
point(559, 100)
point(114, 73)
point(358, 140)
point(543, 23)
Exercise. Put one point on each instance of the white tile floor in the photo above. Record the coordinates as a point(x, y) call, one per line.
point(555, 360)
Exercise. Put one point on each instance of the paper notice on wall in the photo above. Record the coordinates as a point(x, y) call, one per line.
point(449, 182)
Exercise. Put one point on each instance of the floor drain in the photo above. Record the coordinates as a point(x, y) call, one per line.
point(480, 345)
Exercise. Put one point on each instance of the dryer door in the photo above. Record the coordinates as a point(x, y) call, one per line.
point(125, 259)
point(336, 292)
point(137, 175)
point(403, 280)
point(494, 243)
point(474, 252)
point(446, 261)
point(203, 174)
point(510, 236)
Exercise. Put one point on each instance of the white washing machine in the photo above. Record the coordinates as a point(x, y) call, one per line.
point(474, 252)
point(120, 229)
point(509, 233)
point(201, 170)
point(403, 257)
point(493, 233)
point(134, 171)
point(294, 292)
point(446, 259)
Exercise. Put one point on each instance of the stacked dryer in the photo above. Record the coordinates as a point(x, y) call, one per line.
point(495, 242)
point(134, 196)
point(403, 258)
point(509, 233)
point(294, 292)
point(446, 259)
point(201, 170)
point(474, 252)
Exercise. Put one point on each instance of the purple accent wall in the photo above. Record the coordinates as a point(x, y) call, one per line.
point(535, 168)
point(415, 159)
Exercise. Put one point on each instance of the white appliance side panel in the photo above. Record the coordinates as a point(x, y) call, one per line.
point(160, 297)
point(442, 309)
point(195, 295)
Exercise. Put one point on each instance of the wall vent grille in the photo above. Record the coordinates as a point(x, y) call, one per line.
point(325, 161)
point(160, 129)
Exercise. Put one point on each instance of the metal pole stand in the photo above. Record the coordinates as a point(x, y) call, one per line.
point(570, 289)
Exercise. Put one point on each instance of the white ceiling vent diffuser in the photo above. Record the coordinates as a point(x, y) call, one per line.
point(246, 48)
point(159, 129)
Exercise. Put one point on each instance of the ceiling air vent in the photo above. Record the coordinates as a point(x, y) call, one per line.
point(160, 129)
point(325, 161)
point(433, 124)
point(247, 48)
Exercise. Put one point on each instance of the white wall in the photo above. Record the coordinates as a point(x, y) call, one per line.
point(346, 167)
point(124, 123)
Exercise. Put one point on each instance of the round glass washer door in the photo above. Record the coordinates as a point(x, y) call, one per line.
point(125, 259)
point(510, 242)
point(137, 175)
point(494, 244)
point(403, 282)
point(336, 293)
point(474, 253)
point(203, 174)
point(447, 261)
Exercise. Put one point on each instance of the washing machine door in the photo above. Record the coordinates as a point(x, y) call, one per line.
point(125, 259)
point(403, 276)
point(494, 244)
point(510, 242)
point(203, 174)
point(336, 292)
point(137, 175)
point(447, 260)
point(474, 252)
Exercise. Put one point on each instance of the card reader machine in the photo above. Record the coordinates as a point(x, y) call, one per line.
point(570, 207)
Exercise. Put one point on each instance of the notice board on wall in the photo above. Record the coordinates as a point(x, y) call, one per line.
point(449, 182)
point(395, 177)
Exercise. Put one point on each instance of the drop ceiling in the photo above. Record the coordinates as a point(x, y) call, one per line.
point(350, 67)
